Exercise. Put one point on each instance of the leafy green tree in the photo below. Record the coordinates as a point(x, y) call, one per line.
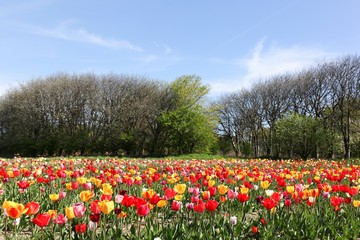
point(299, 136)
point(189, 127)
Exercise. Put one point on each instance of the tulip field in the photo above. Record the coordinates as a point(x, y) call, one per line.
point(113, 198)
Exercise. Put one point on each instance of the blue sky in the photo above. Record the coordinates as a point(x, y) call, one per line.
point(229, 44)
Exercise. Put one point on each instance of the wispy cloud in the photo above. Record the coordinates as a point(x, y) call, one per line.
point(265, 61)
point(276, 60)
point(65, 31)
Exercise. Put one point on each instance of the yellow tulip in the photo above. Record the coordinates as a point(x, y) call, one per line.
point(106, 206)
point(68, 186)
point(211, 183)
point(244, 190)
point(86, 195)
point(69, 212)
point(265, 184)
point(148, 193)
point(122, 215)
point(178, 197)
point(81, 180)
point(161, 203)
point(107, 189)
point(356, 203)
point(54, 197)
point(222, 189)
point(180, 188)
point(290, 189)
point(96, 181)
point(52, 213)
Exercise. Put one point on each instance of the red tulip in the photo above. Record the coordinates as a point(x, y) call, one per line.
point(269, 203)
point(336, 201)
point(169, 193)
point(175, 206)
point(94, 217)
point(287, 202)
point(80, 228)
point(199, 207)
point(353, 191)
point(211, 205)
point(42, 219)
point(32, 208)
point(106, 197)
point(243, 197)
point(94, 208)
point(23, 184)
point(154, 199)
point(128, 201)
point(143, 210)
point(74, 185)
point(212, 191)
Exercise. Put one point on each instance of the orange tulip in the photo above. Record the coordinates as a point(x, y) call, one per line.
point(86, 195)
point(13, 209)
point(162, 203)
point(222, 189)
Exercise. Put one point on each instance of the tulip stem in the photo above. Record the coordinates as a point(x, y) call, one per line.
point(15, 231)
point(139, 227)
point(70, 230)
point(5, 228)
point(104, 228)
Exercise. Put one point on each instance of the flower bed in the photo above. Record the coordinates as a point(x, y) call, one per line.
point(86, 198)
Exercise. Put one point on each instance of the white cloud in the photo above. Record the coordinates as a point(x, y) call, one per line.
point(265, 61)
point(276, 60)
point(64, 31)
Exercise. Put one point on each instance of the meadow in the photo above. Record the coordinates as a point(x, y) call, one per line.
point(114, 198)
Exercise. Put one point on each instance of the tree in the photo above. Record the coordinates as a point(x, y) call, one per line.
point(187, 124)
point(298, 135)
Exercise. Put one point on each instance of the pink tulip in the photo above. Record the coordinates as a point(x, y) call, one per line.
point(196, 192)
point(79, 209)
point(231, 194)
point(119, 198)
point(60, 219)
point(62, 195)
point(175, 206)
point(87, 186)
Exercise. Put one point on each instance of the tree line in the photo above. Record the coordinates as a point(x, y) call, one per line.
point(311, 113)
point(66, 114)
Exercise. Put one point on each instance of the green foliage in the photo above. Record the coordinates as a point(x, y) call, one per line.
point(189, 128)
point(299, 136)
